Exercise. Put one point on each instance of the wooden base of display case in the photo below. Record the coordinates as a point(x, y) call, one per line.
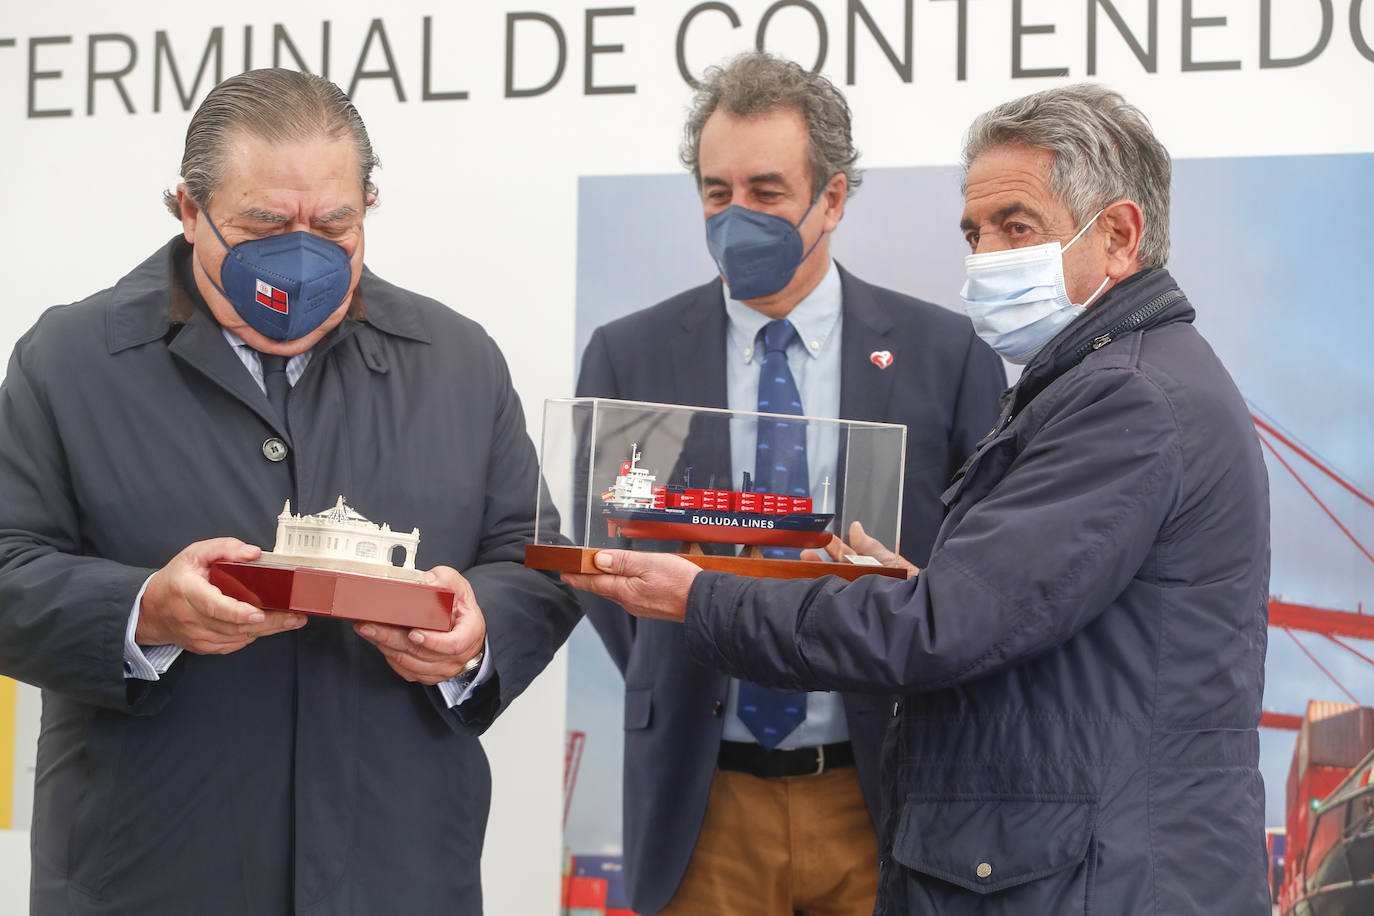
point(579, 560)
point(330, 593)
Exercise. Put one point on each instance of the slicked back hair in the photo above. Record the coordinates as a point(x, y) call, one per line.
point(1104, 150)
point(276, 105)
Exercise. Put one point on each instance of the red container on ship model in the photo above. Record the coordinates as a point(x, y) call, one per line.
point(635, 507)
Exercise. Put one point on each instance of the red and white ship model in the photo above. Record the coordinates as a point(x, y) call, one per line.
point(635, 508)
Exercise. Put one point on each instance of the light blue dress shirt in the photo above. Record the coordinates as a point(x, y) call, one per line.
point(814, 358)
point(148, 663)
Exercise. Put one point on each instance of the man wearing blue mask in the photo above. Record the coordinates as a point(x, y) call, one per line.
point(1081, 658)
point(739, 799)
point(198, 755)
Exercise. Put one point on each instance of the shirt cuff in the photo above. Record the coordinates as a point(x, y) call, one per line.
point(458, 688)
point(149, 664)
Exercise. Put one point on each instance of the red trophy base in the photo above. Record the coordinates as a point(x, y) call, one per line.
point(329, 593)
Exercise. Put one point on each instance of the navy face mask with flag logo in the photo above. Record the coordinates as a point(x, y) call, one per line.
point(283, 286)
point(757, 253)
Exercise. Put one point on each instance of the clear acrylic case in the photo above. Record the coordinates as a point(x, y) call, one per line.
point(643, 476)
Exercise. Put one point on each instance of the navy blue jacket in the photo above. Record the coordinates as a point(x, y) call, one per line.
point(1082, 658)
point(943, 384)
point(300, 773)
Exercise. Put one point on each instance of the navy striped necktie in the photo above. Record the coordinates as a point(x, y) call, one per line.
point(779, 467)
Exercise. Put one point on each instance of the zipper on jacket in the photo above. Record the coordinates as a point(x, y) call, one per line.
point(1128, 324)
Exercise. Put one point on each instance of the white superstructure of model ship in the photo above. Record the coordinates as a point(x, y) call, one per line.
point(341, 538)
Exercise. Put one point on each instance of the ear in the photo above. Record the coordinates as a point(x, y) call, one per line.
point(1122, 223)
point(190, 213)
point(834, 196)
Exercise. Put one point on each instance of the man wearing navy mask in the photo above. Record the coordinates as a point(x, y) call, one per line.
point(741, 800)
point(199, 755)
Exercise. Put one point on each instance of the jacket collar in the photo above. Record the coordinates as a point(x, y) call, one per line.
point(151, 299)
point(1098, 326)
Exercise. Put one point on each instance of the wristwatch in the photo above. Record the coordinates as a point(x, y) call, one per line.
point(473, 666)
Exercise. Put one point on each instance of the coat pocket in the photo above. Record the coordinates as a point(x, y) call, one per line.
point(639, 708)
point(1010, 854)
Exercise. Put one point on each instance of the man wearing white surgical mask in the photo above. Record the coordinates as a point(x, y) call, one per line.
point(1033, 268)
point(1080, 662)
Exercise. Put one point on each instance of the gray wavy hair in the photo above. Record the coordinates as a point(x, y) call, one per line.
point(277, 105)
point(756, 83)
point(1104, 150)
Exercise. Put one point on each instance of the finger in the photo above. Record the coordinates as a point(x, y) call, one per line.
point(428, 678)
point(446, 577)
point(418, 669)
point(463, 640)
point(275, 622)
point(232, 549)
point(867, 544)
point(397, 640)
point(605, 586)
point(619, 562)
point(212, 604)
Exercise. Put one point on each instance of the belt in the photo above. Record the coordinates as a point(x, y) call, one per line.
point(803, 761)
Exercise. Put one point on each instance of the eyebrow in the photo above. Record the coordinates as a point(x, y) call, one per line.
point(272, 216)
point(335, 216)
point(761, 178)
point(265, 216)
point(1009, 210)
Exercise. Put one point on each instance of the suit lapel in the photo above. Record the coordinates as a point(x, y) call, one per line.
point(865, 388)
point(699, 380)
point(201, 345)
point(698, 348)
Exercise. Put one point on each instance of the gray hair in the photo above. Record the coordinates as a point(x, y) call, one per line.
point(756, 83)
point(276, 105)
point(1104, 150)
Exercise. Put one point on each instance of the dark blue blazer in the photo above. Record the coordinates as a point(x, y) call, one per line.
point(943, 383)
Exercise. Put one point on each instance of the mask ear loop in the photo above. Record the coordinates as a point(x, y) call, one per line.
point(1086, 226)
point(237, 255)
point(797, 228)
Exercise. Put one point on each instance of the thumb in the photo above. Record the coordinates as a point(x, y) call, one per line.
point(215, 549)
point(615, 562)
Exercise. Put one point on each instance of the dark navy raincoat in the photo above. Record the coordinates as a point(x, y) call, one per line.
point(299, 774)
point(1080, 664)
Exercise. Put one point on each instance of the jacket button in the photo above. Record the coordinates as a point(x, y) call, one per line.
point(717, 709)
point(896, 708)
point(983, 870)
point(274, 449)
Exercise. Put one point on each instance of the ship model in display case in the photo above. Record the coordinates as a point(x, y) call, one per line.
point(598, 491)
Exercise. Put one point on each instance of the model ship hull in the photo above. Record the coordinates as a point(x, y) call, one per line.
point(720, 526)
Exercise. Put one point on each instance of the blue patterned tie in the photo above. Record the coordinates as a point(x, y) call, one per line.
point(779, 467)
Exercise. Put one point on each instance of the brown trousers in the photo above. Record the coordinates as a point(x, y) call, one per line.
point(777, 847)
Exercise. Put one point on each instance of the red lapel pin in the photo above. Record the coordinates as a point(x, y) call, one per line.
point(881, 358)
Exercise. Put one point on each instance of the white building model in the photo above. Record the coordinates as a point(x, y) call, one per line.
point(341, 538)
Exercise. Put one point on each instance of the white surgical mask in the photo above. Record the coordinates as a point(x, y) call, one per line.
point(1016, 298)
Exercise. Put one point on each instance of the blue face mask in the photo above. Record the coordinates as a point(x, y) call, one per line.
point(757, 253)
point(283, 286)
point(1016, 298)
